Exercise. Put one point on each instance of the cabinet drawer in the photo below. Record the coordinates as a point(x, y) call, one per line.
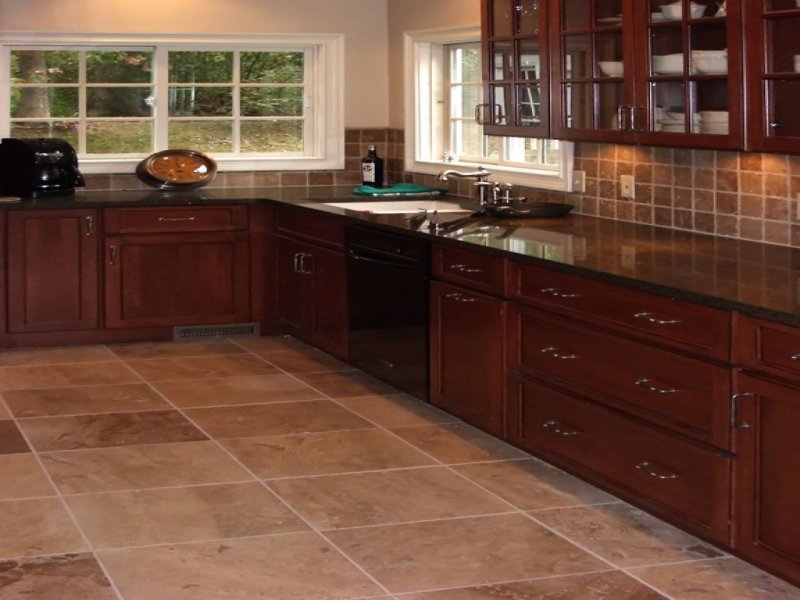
point(768, 346)
point(684, 394)
point(310, 225)
point(477, 270)
point(167, 219)
point(699, 329)
point(670, 475)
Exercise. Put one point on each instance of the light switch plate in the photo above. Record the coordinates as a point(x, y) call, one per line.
point(627, 186)
point(579, 181)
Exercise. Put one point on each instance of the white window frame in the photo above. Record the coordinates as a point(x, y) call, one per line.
point(424, 115)
point(324, 96)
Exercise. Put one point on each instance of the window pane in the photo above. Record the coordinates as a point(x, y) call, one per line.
point(272, 136)
point(32, 103)
point(44, 66)
point(465, 65)
point(66, 130)
point(200, 101)
point(272, 67)
point(119, 137)
point(464, 99)
point(118, 102)
point(209, 136)
point(272, 102)
point(119, 67)
point(201, 67)
point(467, 138)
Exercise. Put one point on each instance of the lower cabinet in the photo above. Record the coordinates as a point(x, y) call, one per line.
point(467, 339)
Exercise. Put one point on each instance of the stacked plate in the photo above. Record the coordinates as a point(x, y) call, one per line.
point(674, 122)
point(710, 62)
point(713, 121)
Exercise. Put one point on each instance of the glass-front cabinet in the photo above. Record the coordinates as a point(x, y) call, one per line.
point(516, 68)
point(772, 30)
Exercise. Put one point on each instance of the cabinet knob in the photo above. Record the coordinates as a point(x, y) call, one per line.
point(774, 125)
point(795, 356)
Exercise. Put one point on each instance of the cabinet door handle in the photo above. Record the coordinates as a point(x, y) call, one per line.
point(648, 384)
point(112, 254)
point(735, 411)
point(176, 219)
point(653, 471)
point(296, 262)
point(89, 221)
point(303, 257)
point(479, 112)
point(795, 356)
point(460, 298)
point(556, 353)
point(558, 429)
point(556, 293)
point(650, 318)
point(465, 269)
point(621, 117)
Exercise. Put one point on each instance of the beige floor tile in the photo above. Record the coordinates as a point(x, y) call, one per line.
point(298, 566)
point(626, 536)
point(276, 343)
point(174, 349)
point(11, 440)
point(533, 484)
point(236, 390)
point(461, 552)
point(22, 477)
point(304, 361)
point(210, 512)
point(69, 576)
point(458, 443)
point(396, 410)
point(201, 367)
point(727, 578)
point(4, 412)
point(141, 467)
point(107, 430)
point(275, 419)
point(83, 400)
point(50, 356)
point(64, 375)
point(353, 500)
point(324, 453)
point(610, 585)
point(37, 526)
point(346, 384)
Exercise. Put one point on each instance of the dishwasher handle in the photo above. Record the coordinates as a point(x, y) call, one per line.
point(383, 260)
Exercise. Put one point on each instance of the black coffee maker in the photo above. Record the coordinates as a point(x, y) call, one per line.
point(34, 167)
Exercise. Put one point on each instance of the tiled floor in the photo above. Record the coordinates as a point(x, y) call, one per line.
point(261, 468)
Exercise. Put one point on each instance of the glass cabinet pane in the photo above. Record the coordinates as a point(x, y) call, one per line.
point(529, 105)
point(575, 14)
point(782, 110)
point(576, 56)
point(528, 23)
point(578, 102)
point(501, 18)
point(501, 104)
point(780, 4)
point(502, 61)
point(610, 97)
point(783, 45)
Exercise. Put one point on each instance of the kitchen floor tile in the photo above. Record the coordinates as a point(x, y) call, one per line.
point(11, 440)
point(324, 453)
point(111, 429)
point(67, 576)
point(300, 566)
point(236, 390)
point(174, 349)
point(275, 419)
point(83, 400)
point(140, 467)
point(200, 367)
point(532, 484)
point(37, 526)
point(22, 477)
point(4, 412)
point(63, 375)
point(354, 500)
point(346, 384)
point(610, 585)
point(461, 552)
point(304, 361)
point(727, 578)
point(50, 356)
point(210, 512)
point(626, 536)
point(458, 443)
point(396, 410)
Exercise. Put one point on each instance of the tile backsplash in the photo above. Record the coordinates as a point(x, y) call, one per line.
point(741, 195)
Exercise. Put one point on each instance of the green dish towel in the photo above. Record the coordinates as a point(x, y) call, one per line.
point(399, 189)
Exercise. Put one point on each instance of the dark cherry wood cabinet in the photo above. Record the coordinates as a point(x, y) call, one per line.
point(52, 270)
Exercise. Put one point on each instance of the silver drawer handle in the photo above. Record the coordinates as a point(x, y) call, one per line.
point(795, 356)
point(556, 353)
point(465, 269)
point(648, 316)
point(648, 384)
point(554, 427)
point(460, 298)
point(648, 468)
point(556, 293)
point(176, 219)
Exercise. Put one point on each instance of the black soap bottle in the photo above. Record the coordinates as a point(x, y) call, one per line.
point(372, 169)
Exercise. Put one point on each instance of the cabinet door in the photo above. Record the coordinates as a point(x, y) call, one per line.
point(52, 270)
point(515, 69)
point(467, 366)
point(293, 285)
point(178, 279)
point(328, 324)
point(767, 483)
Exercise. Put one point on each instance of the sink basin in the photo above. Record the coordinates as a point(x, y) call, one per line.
point(395, 207)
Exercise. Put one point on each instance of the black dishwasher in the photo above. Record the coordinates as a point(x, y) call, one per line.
point(387, 286)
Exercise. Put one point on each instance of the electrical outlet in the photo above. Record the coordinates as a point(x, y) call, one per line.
point(628, 258)
point(627, 186)
point(579, 181)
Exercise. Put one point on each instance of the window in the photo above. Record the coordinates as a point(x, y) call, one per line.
point(266, 104)
point(444, 80)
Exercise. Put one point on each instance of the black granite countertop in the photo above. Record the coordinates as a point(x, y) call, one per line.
point(753, 278)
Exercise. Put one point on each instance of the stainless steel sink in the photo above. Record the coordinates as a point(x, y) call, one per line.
point(397, 207)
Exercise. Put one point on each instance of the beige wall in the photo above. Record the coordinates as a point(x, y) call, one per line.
point(417, 15)
point(364, 23)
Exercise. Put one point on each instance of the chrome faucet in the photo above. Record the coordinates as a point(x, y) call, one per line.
point(481, 184)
